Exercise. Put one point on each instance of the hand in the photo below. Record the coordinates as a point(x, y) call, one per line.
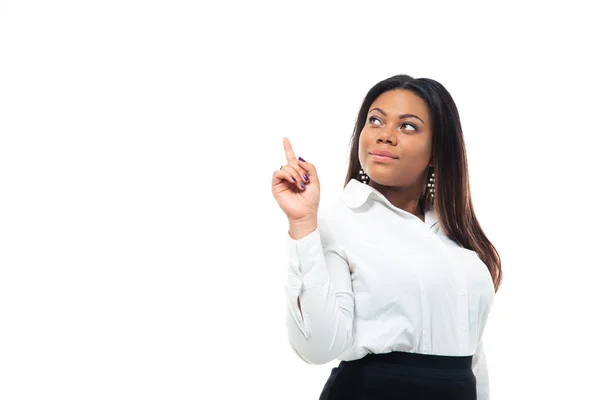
point(297, 202)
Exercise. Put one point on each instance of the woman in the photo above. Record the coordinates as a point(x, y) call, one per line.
point(396, 279)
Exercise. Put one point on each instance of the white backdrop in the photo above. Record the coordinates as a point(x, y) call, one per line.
point(142, 255)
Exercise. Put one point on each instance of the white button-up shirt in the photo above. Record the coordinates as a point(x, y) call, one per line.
point(373, 278)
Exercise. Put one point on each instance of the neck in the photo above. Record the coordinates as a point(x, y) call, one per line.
point(404, 198)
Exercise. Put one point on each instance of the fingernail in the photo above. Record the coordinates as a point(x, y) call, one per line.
point(302, 184)
point(294, 179)
point(301, 159)
point(306, 177)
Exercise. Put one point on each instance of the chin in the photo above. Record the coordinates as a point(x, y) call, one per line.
point(383, 180)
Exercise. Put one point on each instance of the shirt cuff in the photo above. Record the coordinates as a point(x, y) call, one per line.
point(307, 267)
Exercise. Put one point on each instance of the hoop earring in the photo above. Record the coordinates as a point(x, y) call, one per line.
point(363, 177)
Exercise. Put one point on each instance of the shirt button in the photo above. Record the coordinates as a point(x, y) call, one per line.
point(462, 292)
point(463, 328)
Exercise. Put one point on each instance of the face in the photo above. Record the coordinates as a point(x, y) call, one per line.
point(398, 123)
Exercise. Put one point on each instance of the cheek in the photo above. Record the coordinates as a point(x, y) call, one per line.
point(361, 148)
point(417, 148)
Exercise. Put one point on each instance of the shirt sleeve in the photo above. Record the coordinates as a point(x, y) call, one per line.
point(481, 373)
point(318, 274)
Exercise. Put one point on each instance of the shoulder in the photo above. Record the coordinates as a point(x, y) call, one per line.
point(334, 213)
point(334, 219)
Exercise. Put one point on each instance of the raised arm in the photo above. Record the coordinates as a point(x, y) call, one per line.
point(320, 303)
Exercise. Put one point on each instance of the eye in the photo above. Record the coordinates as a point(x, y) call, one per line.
point(414, 128)
point(373, 119)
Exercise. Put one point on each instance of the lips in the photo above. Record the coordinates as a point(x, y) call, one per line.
point(383, 153)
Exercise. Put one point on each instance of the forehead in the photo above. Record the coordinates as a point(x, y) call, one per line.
point(400, 101)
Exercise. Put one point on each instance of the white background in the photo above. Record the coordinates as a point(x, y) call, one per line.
point(142, 255)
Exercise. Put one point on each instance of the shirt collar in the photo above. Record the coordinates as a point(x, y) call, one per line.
point(356, 194)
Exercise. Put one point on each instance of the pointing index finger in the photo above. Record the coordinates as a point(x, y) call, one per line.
point(289, 153)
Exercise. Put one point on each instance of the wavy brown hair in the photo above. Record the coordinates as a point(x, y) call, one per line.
point(452, 201)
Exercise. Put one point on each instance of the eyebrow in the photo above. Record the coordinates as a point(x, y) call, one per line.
point(401, 115)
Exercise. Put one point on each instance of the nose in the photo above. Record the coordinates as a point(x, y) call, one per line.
point(387, 136)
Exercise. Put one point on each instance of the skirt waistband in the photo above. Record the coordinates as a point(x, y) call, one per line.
point(419, 360)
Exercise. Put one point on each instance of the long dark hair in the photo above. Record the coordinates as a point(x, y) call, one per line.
point(452, 201)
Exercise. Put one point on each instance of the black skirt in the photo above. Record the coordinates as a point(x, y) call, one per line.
point(405, 376)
